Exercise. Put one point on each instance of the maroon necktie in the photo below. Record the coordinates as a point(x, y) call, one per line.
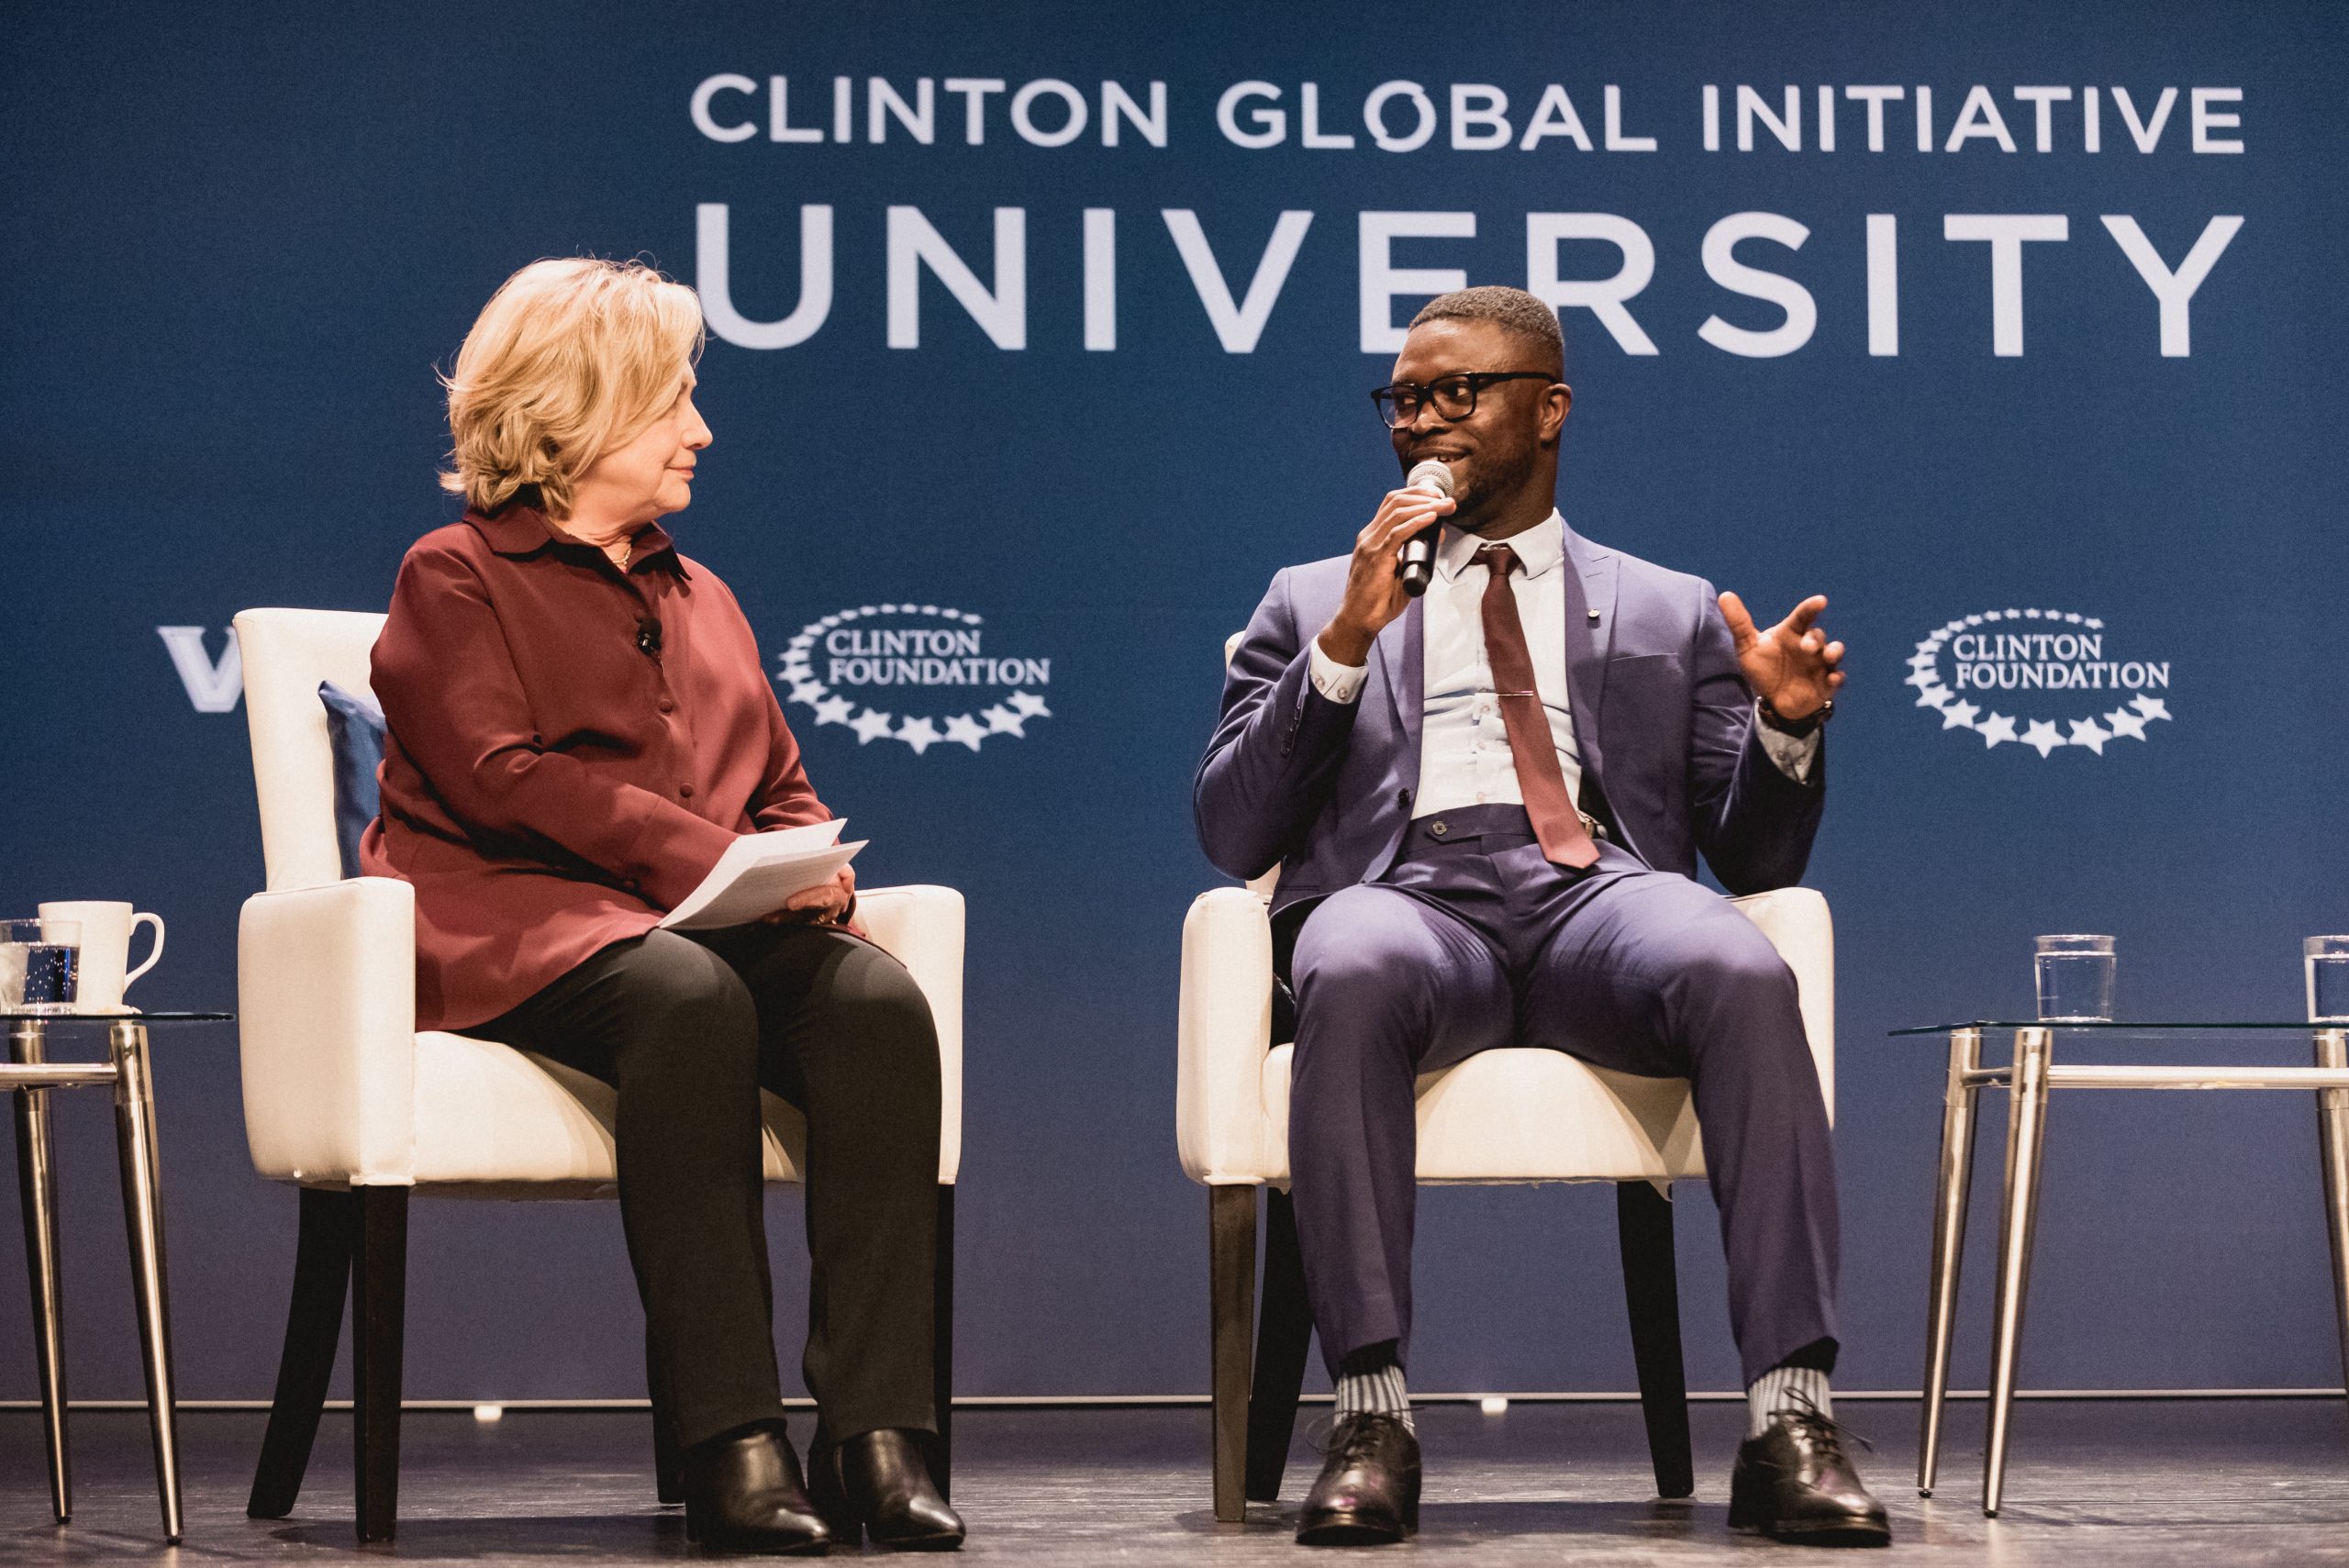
point(1543, 784)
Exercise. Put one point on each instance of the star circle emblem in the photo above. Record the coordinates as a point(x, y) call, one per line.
point(2044, 736)
point(796, 670)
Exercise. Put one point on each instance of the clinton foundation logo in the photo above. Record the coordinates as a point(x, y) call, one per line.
point(919, 673)
point(2040, 678)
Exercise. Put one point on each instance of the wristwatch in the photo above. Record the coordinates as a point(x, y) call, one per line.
point(1797, 728)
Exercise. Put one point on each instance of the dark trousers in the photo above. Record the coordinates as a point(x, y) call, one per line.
point(1473, 940)
point(688, 1030)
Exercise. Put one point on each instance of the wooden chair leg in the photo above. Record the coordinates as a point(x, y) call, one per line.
point(1651, 1291)
point(668, 1460)
point(379, 1303)
point(941, 1364)
point(1283, 1336)
point(313, 1326)
point(1232, 1299)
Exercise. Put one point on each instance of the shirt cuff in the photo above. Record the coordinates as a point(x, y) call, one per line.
point(1794, 754)
point(1340, 684)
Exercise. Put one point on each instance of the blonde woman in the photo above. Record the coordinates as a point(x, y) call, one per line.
point(579, 725)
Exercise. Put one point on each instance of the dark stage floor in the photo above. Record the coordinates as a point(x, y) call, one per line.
point(2184, 1482)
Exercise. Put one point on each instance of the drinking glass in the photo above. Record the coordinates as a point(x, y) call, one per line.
point(40, 965)
point(2326, 962)
point(2075, 976)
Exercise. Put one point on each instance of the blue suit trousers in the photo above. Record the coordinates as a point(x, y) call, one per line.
point(1473, 940)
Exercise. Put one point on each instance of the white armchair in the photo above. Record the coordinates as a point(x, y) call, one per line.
point(1513, 1115)
point(345, 1100)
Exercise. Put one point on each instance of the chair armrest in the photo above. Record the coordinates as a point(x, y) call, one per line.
point(1797, 922)
point(325, 1004)
point(1226, 1027)
point(921, 928)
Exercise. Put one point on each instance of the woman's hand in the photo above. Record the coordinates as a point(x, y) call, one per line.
point(822, 904)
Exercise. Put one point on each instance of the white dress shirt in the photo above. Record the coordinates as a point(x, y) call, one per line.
point(1465, 758)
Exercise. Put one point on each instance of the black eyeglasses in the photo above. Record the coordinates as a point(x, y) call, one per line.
point(1454, 396)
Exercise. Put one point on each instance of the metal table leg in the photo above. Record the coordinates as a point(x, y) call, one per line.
point(2332, 1148)
point(142, 1206)
point(1959, 1108)
point(37, 1189)
point(2026, 1137)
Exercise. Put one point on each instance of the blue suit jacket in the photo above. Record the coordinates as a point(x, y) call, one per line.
point(1663, 718)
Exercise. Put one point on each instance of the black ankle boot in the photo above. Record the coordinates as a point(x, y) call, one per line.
point(876, 1483)
point(744, 1493)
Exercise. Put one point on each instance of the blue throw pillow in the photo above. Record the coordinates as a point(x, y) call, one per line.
point(355, 725)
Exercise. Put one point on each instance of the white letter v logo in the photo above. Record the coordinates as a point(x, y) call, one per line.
point(213, 688)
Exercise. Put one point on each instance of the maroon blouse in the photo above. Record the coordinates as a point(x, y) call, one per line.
point(549, 787)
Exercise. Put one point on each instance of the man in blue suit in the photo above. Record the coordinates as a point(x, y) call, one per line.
point(1487, 805)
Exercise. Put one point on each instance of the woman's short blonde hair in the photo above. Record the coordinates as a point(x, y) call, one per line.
point(568, 360)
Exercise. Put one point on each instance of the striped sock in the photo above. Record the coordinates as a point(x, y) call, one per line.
point(1785, 1388)
point(1370, 1383)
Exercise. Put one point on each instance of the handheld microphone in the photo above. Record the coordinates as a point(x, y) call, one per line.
point(648, 635)
point(1416, 567)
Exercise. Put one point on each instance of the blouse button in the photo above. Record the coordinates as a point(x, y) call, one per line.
point(686, 791)
point(668, 705)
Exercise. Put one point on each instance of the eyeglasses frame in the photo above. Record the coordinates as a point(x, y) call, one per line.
point(1477, 380)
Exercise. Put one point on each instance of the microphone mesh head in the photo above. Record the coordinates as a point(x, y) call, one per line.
point(1430, 473)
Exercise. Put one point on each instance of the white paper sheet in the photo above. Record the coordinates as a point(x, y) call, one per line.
point(760, 871)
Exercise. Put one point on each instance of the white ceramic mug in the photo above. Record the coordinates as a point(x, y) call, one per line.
point(105, 949)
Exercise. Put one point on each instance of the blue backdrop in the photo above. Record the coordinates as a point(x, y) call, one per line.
point(240, 240)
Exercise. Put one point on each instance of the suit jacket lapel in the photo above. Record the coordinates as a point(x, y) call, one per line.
point(1590, 638)
point(1400, 654)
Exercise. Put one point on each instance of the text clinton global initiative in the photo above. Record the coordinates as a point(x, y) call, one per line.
point(1403, 116)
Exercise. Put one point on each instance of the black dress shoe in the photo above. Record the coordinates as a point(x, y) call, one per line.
point(743, 1493)
point(1793, 1483)
point(1368, 1492)
point(877, 1484)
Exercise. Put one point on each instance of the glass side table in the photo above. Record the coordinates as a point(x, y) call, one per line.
point(31, 1074)
point(2029, 1075)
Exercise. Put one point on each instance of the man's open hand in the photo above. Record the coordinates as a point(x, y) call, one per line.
point(1792, 666)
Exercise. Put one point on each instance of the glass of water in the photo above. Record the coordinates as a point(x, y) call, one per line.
point(40, 965)
point(2076, 975)
point(2326, 962)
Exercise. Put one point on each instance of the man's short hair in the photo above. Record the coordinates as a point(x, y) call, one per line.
point(1515, 309)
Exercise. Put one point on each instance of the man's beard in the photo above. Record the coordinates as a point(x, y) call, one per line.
point(1472, 511)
